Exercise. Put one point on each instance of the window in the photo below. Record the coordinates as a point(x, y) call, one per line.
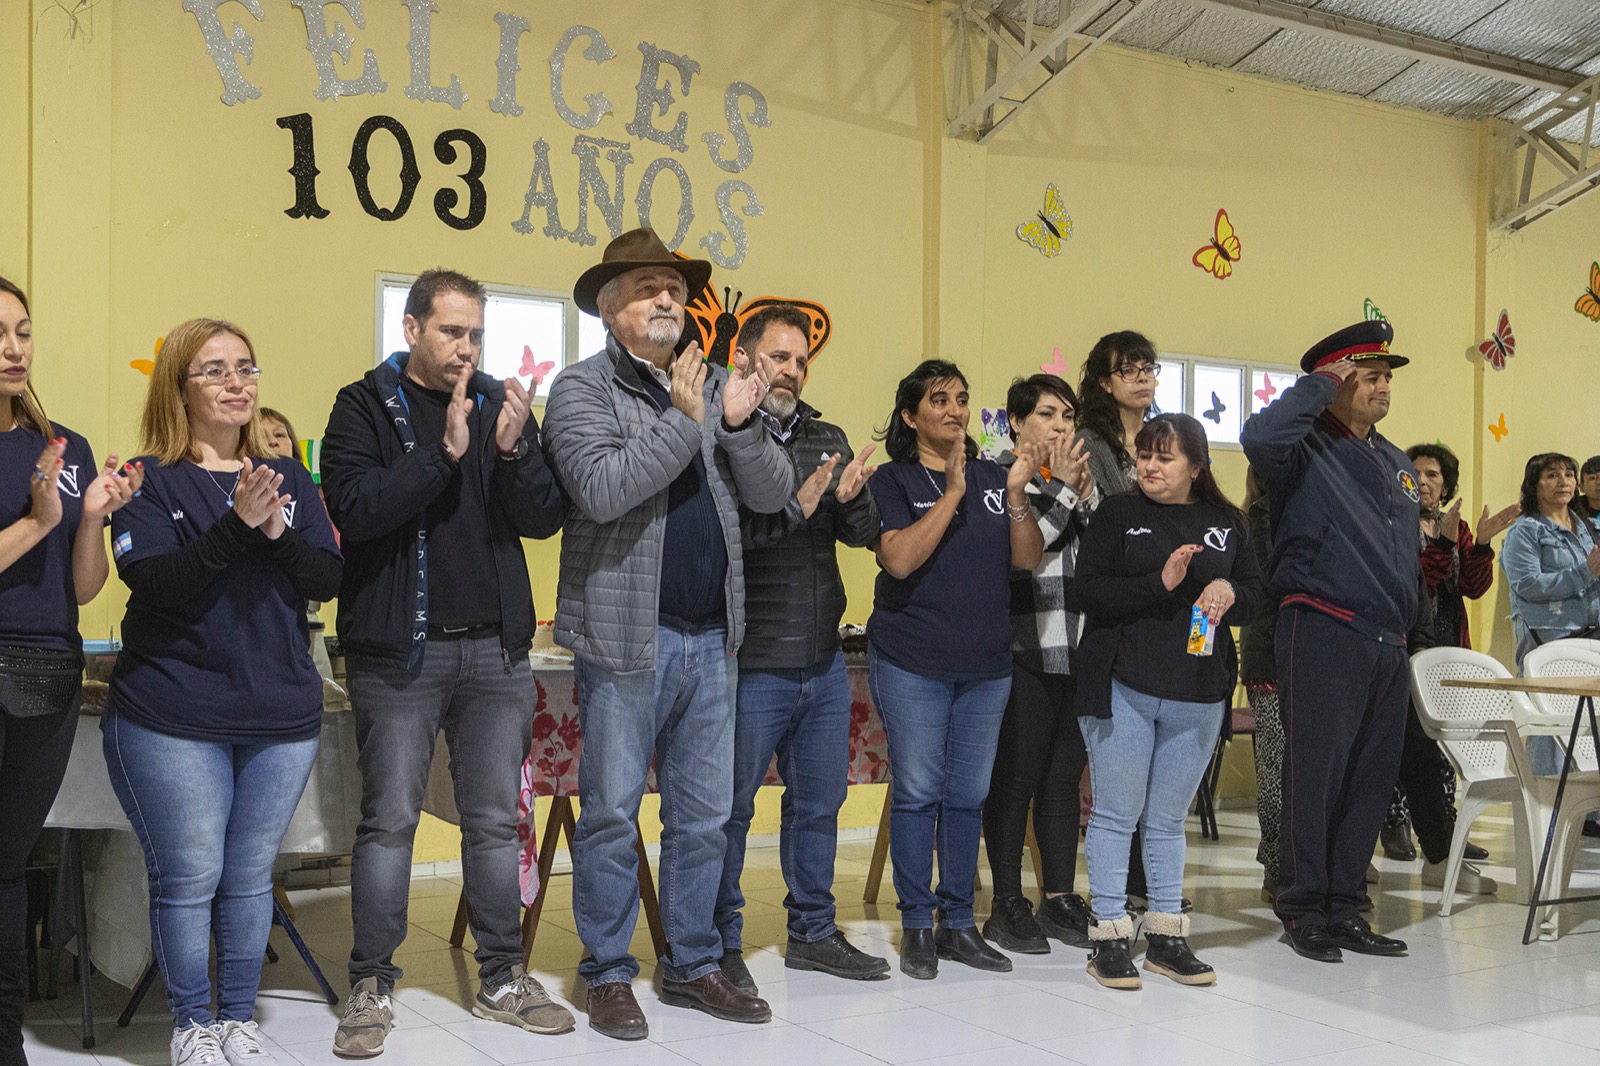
point(529, 334)
point(1221, 393)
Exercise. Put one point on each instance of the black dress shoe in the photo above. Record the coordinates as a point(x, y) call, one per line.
point(1473, 853)
point(966, 945)
point(1314, 943)
point(918, 957)
point(1397, 843)
point(835, 955)
point(737, 973)
point(1354, 934)
point(1013, 927)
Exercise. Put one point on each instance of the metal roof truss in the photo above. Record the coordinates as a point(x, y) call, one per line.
point(1575, 175)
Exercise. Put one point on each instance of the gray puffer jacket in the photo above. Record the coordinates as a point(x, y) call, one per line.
point(616, 454)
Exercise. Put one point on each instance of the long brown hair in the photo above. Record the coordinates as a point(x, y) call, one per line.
point(164, 426)
point(27, 409)
point(1189, 437)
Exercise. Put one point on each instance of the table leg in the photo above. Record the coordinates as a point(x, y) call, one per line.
point(880, 851)
point(281, 916)
point(72, 852)
point(559, 819)
point(458, 931)
point(1536, 900)
point(140, 990)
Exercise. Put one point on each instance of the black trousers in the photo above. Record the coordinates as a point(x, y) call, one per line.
point(1343, 699)
point(1424, 772)
point(1040, 760)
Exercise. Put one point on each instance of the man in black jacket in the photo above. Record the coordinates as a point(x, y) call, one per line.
point(433, 473)
point(793, 695)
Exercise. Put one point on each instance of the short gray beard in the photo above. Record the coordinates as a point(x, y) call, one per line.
point(780, 405)
point(662, 331)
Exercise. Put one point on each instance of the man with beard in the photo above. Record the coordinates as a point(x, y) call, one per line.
point(794, 697)
point(656, 451)
point(1345, 515)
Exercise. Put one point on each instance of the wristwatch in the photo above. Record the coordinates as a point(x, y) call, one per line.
point(518, 451)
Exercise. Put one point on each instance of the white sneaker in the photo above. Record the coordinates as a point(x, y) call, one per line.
point(197, 1046)
point(241, 1043)
point(1372, 874)
point(1470, 883)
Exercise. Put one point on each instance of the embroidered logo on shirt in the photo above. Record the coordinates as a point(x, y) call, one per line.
point(995, 500)
point(1136, 532)
point(288, 513)
point(177, 516)
point(1408, 485)
point(122, 545)
point(69, 481)
point(1217, 538)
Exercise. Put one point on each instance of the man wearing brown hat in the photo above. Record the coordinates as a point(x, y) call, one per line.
point(656, 452)
point(1345, 513)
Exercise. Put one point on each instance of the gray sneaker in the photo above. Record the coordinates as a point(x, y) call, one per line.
point(367, 1020)
point(523, 1003)
point(197, 1045)
point(241, 1044)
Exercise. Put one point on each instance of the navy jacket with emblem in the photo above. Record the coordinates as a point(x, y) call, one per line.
point(1345, 512)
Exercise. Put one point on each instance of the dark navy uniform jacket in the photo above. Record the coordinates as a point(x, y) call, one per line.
point(1345, 512)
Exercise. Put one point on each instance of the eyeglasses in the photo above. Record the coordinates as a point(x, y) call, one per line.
point(1135, 371)
point(219, 375)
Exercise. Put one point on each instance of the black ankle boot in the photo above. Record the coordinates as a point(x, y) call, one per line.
point(1168, 952)
point(1109, 961)
point(966, 945)
point(918, 957)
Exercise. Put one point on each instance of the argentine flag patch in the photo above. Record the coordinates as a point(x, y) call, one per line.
point(122, 545)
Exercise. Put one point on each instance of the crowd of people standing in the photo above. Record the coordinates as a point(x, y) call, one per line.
point(1067, 608)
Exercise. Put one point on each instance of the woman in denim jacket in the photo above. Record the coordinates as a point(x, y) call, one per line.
point(1550, 558)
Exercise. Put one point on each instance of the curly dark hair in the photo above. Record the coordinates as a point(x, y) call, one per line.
point(1097, 408)
point(899, 439)
point(1449, 466)
point(1529, 499)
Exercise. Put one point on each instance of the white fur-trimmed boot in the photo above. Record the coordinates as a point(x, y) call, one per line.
point(1168, 952)
point(1110, 962)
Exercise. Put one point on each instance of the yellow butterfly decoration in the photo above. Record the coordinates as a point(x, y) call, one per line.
point(1050, 226)
point(1499, 429)
point(148, 366)
point(1218, 257)
point(1588, 304)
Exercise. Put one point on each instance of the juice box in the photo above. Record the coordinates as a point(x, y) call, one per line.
point(1202, 634)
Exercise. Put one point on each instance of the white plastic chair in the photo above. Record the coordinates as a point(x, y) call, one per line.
point(1573, 657)
point(1479, 731)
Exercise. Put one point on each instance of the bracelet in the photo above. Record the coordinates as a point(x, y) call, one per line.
point(1017, 514)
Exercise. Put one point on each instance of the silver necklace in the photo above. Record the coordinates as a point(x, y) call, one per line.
point(225, 492)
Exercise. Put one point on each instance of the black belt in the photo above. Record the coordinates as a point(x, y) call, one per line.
point(487, 629)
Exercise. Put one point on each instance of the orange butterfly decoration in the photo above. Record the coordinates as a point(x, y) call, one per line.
point(1588, 304)
point(715, 322)
point(148, 366)
point(1499, 429)
point(1218, 257)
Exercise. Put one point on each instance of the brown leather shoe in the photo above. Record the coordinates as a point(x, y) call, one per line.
point(615, 1013)
point(716, 995)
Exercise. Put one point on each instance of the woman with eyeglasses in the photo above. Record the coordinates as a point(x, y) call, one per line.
point(939, 650)
point(211, 724)
point(1115, 397)
point(53, 506)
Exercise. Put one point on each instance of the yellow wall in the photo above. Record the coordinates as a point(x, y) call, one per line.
point(134, 198)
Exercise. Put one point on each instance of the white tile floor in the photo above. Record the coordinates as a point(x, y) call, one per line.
point(1469, 992)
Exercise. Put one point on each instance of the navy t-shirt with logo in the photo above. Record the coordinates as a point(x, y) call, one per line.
point(232, 662)
point(950, 619)
point(38, 602)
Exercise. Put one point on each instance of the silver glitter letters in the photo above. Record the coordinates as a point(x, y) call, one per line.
point(421, 48)
point(323, 46)
point(592, 183)
point(512, 27)
point(223, 45)
point(712, 242)
point(597, 52)
point(652, 95)
point(542, 194)
point(642, 200)
point(736, 126)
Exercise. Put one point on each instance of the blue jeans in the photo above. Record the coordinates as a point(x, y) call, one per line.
point(942, 737)
point(1146, 762)
point(682, 712)
point(803, 716)
point(486, 710)
point(209, 816)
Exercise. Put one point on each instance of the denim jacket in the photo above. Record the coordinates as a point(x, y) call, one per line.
point(1552, 592)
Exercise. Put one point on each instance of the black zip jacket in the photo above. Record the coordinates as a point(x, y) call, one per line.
point(794, 594)
point(378, 490)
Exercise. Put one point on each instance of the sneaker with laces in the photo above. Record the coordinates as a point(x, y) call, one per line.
point(241, 1044)
point(368, 1017)
point(197, 1045)
point(1471, 882)
point(1013, 926)
point(523, 1002)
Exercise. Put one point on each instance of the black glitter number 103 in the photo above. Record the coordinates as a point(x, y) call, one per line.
point(304, 171)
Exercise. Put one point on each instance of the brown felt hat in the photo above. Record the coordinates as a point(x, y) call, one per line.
point(634, 249)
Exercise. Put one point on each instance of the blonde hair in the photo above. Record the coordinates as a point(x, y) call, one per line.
point(164, 426)
point(27, 409)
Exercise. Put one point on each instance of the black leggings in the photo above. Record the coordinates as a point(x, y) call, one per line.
point(1428, 782)
point(1040, 759)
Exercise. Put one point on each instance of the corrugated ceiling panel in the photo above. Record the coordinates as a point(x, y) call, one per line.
point(1220, 38)
point(1046, 13)
point(1448, 91)
point(1158, 23)
point(1558, 33)
point(1434, 18)
point(1323, 63)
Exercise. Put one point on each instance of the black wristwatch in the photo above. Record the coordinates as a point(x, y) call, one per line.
point(518, 451)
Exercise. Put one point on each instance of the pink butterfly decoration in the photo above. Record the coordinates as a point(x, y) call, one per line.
point(1058, 367)
point(1500, 347)
point(536, 371)
point(1268, 390)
